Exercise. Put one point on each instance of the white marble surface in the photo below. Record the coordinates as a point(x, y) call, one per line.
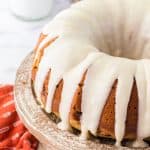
point(18, 38)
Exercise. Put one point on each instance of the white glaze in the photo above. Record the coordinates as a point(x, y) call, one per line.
point(96, 79)
point(139, 143)
point(84, 32)
point(71, 81)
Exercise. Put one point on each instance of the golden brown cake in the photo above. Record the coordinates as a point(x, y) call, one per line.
point(91, 69)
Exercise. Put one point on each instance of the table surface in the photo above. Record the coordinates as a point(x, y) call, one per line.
point(18, 38)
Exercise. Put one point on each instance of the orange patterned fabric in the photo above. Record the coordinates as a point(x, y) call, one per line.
point(13, 134)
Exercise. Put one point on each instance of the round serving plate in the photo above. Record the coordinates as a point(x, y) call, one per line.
point(40, 125)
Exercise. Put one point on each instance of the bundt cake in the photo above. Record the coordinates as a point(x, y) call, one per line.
point(92, 69)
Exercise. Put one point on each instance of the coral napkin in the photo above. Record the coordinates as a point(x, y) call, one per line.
point(13, 134)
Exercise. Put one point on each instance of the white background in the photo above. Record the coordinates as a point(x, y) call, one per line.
point(18, 38)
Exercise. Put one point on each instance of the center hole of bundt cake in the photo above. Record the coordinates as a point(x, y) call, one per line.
point(124, 41)
point(130, 51)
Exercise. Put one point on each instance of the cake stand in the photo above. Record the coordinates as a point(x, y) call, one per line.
point(39, 124)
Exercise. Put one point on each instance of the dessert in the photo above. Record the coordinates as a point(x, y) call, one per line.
point(91, 69)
